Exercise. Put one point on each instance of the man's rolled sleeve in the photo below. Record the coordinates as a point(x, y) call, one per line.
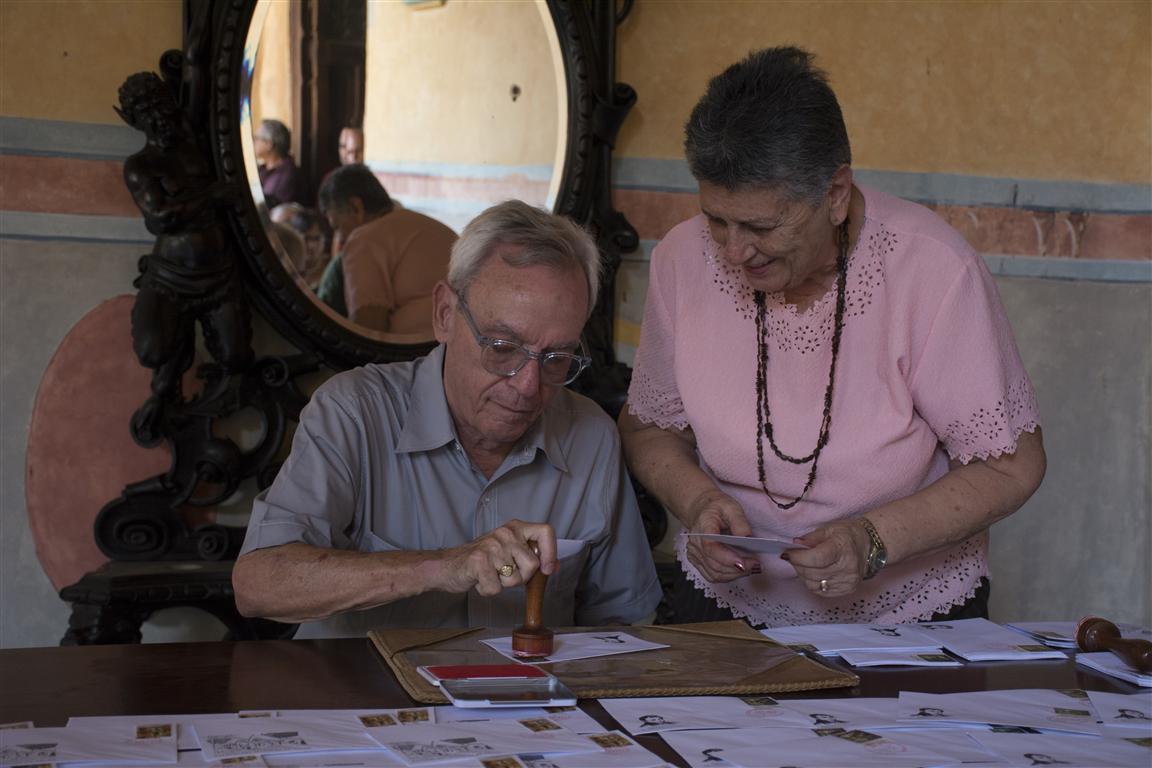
point(313, 497)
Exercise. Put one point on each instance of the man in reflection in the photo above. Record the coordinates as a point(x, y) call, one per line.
point(279, 177)
point(427, 493)
point(351, 148)
point(391, 258)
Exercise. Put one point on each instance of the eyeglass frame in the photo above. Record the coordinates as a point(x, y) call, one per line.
point(489, 342)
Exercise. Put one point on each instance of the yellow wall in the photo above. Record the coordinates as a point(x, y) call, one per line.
point(272, 74)
point(64, 60)
point(439, 81)
point(1042, 89)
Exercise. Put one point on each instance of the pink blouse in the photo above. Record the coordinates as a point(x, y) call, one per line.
point(928, 370)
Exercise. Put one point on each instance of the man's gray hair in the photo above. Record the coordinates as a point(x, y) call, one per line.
point(545, 239)
point(771, 121)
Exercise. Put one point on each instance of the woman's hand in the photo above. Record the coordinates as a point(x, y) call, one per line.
point(833, 565)
point(716, 512)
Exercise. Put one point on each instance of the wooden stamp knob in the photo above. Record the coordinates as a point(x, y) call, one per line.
point(533, 641)
point(1096, 634)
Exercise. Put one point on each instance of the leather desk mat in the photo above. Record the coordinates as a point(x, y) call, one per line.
point(717, 658)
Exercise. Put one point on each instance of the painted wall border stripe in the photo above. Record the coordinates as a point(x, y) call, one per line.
point(672, 175)
point(57, 138)
point(20, 225)
point(1089, 270)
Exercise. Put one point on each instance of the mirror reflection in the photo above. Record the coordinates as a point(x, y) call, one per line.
point(374, 131)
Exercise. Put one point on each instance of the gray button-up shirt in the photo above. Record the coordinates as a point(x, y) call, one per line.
point(376, 466)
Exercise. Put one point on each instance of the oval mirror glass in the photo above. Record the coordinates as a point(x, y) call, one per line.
point(456, 106)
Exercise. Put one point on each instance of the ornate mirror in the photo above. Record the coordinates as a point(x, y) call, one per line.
point(460, 104)
point(553, 109)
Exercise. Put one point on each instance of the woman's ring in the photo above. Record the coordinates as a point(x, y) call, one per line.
point(506, 570)
point(823, 585)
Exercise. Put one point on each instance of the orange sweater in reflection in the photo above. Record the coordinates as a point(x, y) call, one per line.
point(390, 266)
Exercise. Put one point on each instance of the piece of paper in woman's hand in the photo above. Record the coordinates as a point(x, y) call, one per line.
point(582, 645)
point(759, 545)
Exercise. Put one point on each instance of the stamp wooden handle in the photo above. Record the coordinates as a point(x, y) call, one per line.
point(533, 640)
point(1096, 634)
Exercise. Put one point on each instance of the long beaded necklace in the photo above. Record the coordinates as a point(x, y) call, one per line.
point(763, 413)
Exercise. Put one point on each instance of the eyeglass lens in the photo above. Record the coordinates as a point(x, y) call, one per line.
point(505, 358)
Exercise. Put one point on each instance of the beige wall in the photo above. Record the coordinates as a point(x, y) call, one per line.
point(272, 73)
point(1042, 89)
point(439, 81)
point(62, 60)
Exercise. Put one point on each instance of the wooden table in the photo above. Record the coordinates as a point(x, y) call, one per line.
point(49, 685)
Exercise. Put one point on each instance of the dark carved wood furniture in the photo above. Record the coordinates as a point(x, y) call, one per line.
point(213, 265)
point(185, 678)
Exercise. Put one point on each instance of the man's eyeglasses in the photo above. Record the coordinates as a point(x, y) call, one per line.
point(506, 358)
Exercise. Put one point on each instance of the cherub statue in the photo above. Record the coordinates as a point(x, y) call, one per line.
point(191, 273)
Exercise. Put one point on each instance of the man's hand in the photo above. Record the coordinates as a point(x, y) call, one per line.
point(716, 512)
point(836, 557)
point(482, 562)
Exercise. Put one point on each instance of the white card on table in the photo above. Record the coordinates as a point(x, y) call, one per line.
point(581, 645)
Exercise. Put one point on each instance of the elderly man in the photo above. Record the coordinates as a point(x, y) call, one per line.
point(390, 257)
point(427, 493)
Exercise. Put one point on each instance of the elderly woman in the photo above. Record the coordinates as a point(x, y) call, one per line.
point(827, 364)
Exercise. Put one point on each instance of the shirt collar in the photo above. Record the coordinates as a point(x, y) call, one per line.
point(429, 425)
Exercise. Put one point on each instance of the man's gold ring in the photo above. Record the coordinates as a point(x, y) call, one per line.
point(506, 570)
point(823, 585)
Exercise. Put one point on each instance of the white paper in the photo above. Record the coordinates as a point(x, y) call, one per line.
point(423, 744)
point(780, 747)
point(185, 736)
point(619, 752)
point(366, 718)
point(154, 742)
point(1126, 715)
point(983, 640)
point(581, 645)
point(1111, 664)
point(378, 758)
point(899, 659)
point(1033, 707)
point(833, 639)
point(572, 718)
point(850, 714)
point(1063, 749)
point(757, 545)
point(221, 739)
point(674, 713)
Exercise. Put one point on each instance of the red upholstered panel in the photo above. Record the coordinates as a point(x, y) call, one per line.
point(80, 454)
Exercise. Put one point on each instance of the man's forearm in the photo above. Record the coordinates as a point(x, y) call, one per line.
point(298, 582)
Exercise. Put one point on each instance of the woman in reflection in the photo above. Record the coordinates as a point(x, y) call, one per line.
point(823, 362)
point(279, 177)
point(312, 228)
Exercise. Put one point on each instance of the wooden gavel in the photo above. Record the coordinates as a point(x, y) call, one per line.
point(1096, 634)
point(533, 640)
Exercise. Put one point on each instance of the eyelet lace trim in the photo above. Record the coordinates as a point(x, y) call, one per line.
point(810, 330)
point(950, 582)
point(653, 405)
point(999, 426)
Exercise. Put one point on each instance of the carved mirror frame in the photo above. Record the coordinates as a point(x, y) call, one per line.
point(146, 522)
point(596, 107)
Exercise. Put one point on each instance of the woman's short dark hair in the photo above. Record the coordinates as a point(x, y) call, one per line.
point(770, 120)
point(356, 180)
point(278, 136)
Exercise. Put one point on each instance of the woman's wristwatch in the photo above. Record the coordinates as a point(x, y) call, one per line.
point(877, 553)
